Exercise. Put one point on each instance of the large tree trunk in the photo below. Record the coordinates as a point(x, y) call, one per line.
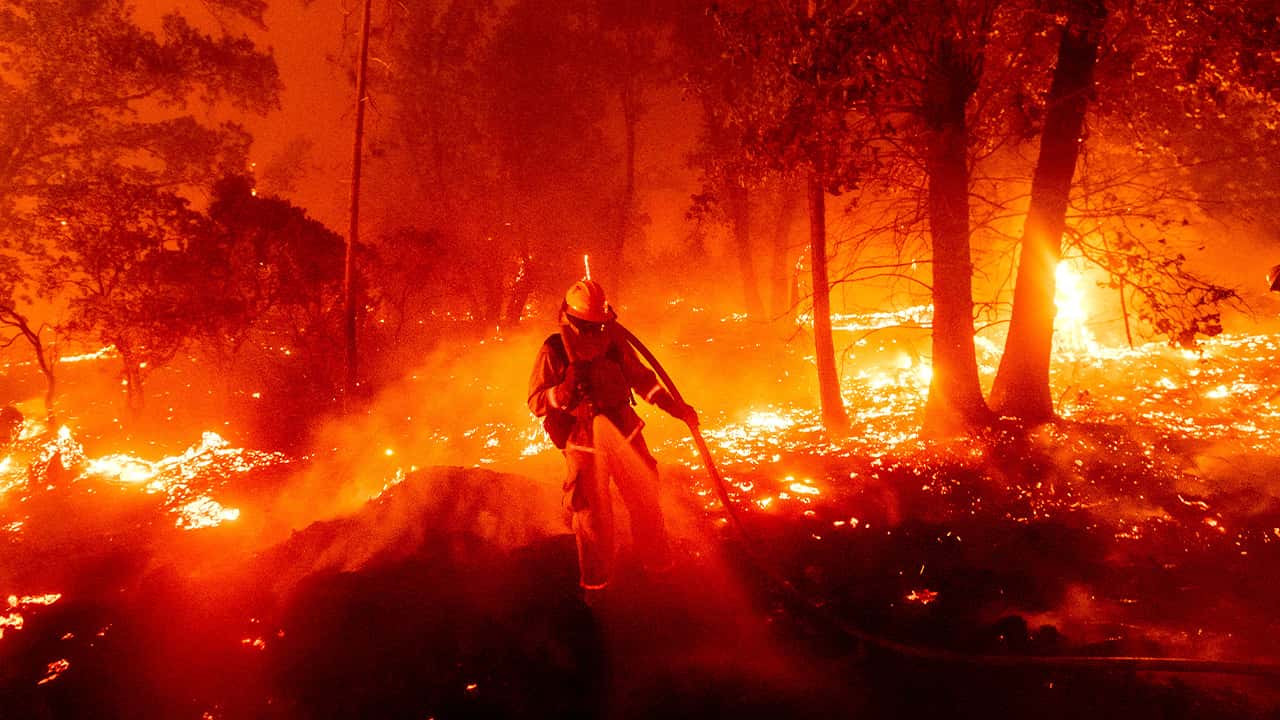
point(779, 268)
point(740, 212)
point(1021, 387)
point(834, 417)
point(955, 403)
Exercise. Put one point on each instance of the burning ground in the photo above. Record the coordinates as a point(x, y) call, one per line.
point(414, 562)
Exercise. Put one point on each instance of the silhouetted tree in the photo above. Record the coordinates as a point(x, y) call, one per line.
point(632, 61)
point(273, 278)
point(93, 104)
point(15, 316)
point(117, 253)
point(1166, 80)
point(1021, 386)
point(809, 68)
point(503, 112)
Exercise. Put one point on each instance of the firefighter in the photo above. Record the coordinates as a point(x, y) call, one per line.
point(583, 385)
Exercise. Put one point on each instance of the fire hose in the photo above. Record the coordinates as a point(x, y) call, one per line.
point(917, 652)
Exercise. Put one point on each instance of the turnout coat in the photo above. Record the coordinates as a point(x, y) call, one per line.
point(612, 375)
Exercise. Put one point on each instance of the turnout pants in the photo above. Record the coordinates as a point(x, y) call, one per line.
point(628, 464)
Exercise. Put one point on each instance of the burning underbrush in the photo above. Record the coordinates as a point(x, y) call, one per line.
point(415, 562)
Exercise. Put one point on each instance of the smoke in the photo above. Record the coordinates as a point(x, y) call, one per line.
point(453, 444)
point(460, 406)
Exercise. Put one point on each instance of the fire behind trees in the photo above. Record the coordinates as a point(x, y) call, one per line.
point(933, 144)
point(528, 134)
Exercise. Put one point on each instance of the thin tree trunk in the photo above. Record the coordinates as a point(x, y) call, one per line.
point(779, 269)
point(1021, 387)
point(46, 369)
point(834, 417)
point(955, 403)
point(613, 271)
point(520, 287)
point(353, 232)
point(10, 316)
point(132, 374)
point(740, 212)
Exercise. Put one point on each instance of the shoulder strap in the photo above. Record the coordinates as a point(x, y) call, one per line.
point(556, 343)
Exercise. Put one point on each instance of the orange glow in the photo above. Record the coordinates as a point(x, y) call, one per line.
point(99, 354)
point(182, 479)
point(923, 596)
point(14, 619)
point(1070, 331)
point(55, 669)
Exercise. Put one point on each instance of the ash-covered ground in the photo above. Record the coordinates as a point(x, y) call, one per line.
point(411, 567)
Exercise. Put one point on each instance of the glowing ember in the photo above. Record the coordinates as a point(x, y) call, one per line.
point(14, 619)
point(917, 315)
point(55, 669)
point(123, 468)
point(25, 600)
point(923, 596)
point(99, 354)
point(176, 477)
point(10, 477)
point(803, 489)
point(204, 512)
point(769, 421)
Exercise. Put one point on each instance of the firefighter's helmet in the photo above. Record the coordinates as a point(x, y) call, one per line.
point(585, 300)
point(1273, 279)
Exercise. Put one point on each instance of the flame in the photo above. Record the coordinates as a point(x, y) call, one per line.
point(25, 600)
point(183, 479)
point(204, 512)
point(1070, 332)
point(769, 420)
point(924, 596)
point(803, 489)
point(14, 619)
point(99, 354)
point(54, 669)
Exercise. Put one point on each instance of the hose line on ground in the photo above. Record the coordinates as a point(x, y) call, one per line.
point(819, 611)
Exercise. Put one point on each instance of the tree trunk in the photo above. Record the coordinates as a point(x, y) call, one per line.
point(348, 267)
point(613, 271)
point(834, 417)
point(740, 212)
point(779, 269)
point(44, 360)
point(131, 372)
point(955, 403)
point(520, 285)
point(1021, 387)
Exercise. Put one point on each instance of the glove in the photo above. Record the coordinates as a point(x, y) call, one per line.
point(678, 410)
point(688, 415)
point(573, 388)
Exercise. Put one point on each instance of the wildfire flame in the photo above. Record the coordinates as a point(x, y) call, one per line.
point(13, 619)
point(55, 669)
point(1070, 333)
point(185, 479)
